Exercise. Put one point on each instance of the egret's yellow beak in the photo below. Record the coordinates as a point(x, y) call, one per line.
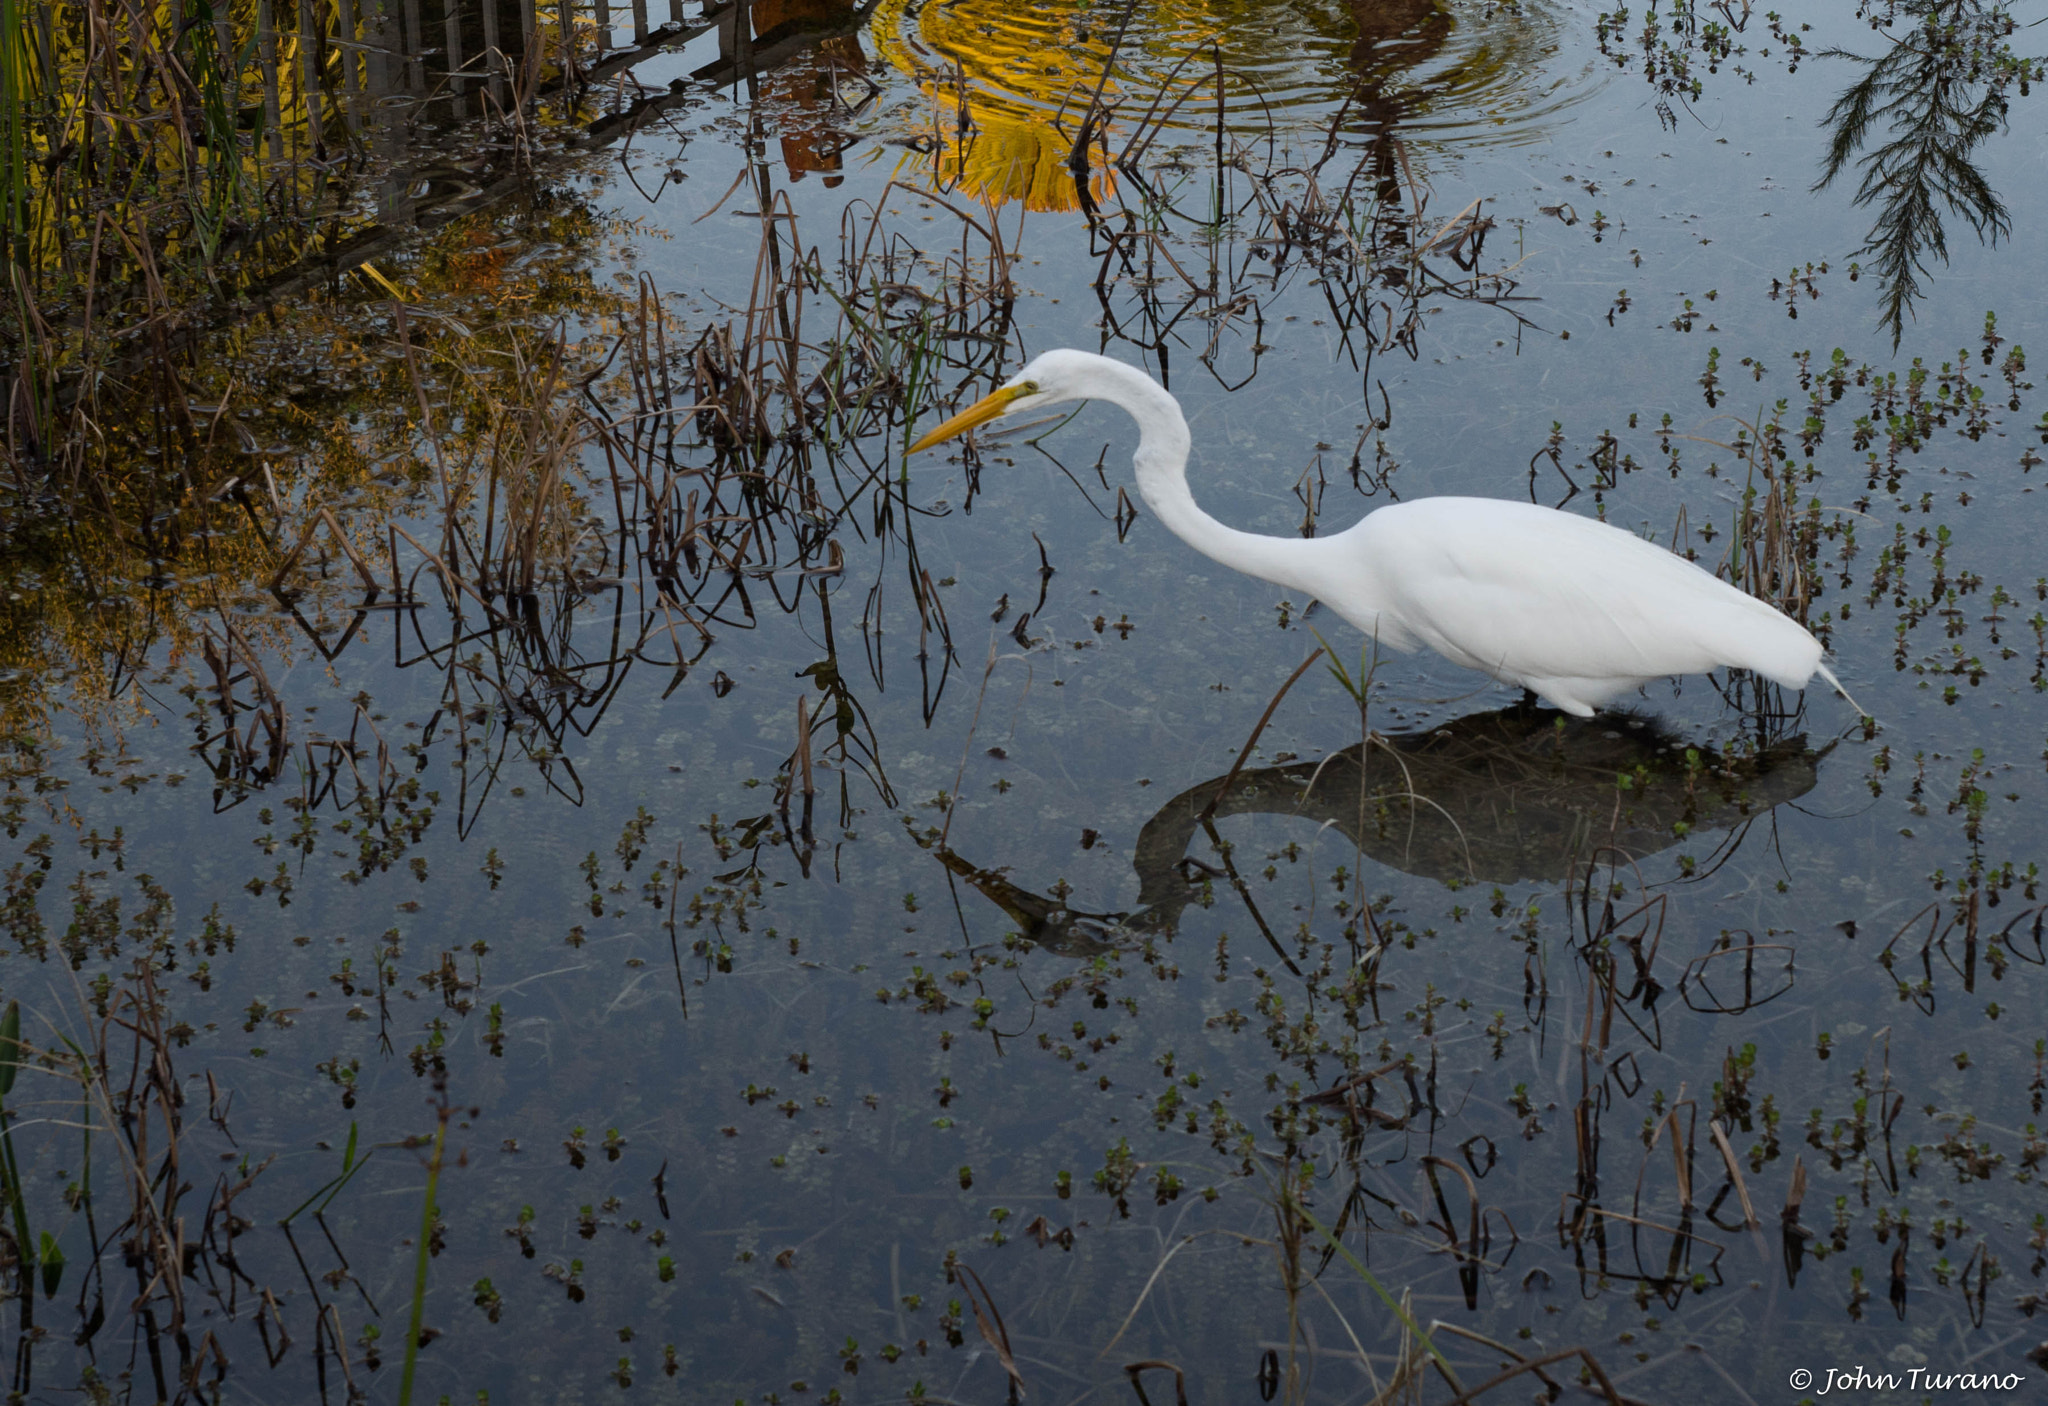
point(981, 412)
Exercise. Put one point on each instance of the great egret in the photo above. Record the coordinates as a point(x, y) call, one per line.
point(1573, 610)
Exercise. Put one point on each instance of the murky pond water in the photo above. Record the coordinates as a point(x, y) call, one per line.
point(505, 751)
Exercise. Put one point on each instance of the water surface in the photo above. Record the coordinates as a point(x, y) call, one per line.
point(1694, 1037)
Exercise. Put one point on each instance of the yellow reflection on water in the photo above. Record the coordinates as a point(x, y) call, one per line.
point(1011, 158)
point(1009, 83)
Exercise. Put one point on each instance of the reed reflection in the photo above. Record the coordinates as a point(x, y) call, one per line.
point(1917, 115)
point(799, 59)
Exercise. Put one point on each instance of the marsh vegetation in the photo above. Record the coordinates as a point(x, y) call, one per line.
point(546, 862)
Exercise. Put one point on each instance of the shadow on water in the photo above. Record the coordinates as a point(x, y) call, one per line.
point(1515, 796)
point(1509, 797)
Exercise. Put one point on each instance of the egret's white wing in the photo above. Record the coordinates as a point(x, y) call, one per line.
point(1529, 594)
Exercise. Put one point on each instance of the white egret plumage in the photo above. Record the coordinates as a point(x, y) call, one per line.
point(1574, 610)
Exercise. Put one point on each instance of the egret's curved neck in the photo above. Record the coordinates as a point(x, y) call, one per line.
point(1161, 463)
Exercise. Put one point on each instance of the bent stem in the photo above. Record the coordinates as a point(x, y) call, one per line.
point(1400, 1312)
point(1359, 686)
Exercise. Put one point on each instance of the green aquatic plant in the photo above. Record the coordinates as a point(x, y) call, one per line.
point(430, 1217)
point(28, 1251)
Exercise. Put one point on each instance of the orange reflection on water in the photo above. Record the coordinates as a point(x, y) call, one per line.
point(804, 91)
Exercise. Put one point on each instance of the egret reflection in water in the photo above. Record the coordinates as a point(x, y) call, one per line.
point(1517, 796)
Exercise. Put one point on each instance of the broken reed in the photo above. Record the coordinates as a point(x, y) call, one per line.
point(1775, 543)
point(128, 1109)
point(681, 484)
point(584, 512)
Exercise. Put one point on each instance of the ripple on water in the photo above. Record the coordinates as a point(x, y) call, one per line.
point(1448, 75)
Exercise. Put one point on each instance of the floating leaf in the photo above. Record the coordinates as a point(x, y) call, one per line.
point(52, 1260)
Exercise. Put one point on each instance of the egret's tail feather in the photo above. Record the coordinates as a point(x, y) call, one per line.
point(1829, 674)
